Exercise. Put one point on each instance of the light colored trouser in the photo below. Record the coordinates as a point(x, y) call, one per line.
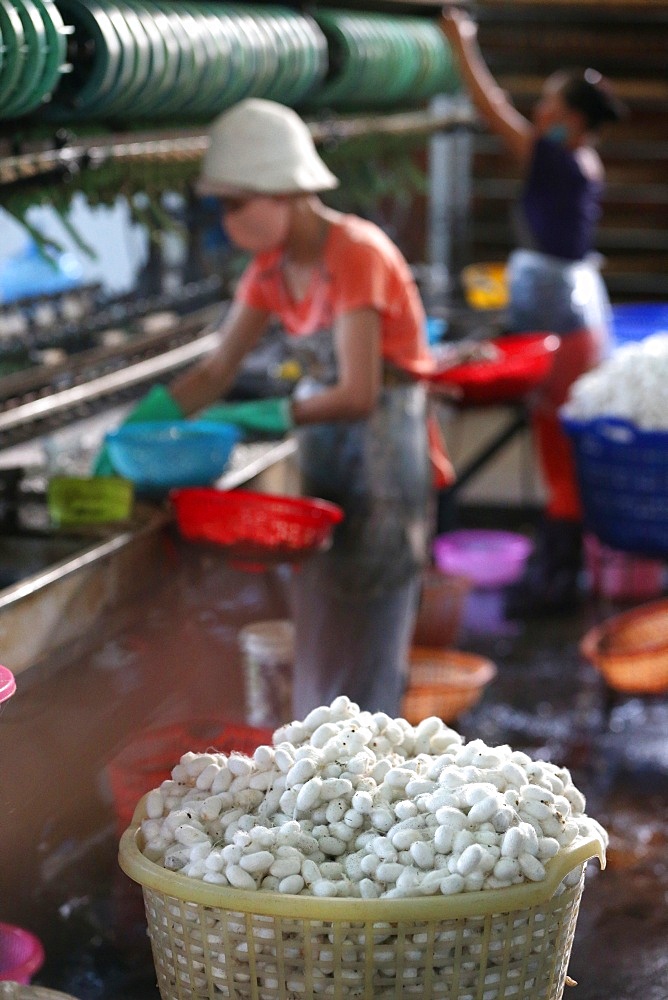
point(357, 645)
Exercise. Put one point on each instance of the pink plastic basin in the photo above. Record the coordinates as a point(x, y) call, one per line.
point(7, 684)
point(487, 558)
point(21, 954)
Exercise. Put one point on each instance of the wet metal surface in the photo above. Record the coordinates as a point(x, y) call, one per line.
point(172, 655)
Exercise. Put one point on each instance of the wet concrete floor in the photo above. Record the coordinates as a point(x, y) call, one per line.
point(173, 656)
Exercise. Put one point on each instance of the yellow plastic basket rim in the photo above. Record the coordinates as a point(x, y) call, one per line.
point(466, 904)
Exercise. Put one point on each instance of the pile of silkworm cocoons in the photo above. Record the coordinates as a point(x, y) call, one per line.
point(631, 384)
point(349, 803)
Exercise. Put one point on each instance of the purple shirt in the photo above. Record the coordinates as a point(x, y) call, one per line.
point(560, 205)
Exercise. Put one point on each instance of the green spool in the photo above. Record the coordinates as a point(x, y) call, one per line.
point(97, 64)
point(27, 88)
point(14, 50)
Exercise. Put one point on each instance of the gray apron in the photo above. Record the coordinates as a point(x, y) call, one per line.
point(377, 470)
point(354, 606)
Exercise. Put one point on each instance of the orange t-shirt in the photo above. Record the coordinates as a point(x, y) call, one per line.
point(361, 268)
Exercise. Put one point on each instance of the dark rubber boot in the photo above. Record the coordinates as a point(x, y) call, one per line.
point(550, 583)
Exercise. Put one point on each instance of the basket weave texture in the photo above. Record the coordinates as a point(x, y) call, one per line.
point(210, 942)
point(622, 476)
point(631, 649)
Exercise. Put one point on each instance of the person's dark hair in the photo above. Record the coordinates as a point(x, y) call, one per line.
point(590, 94)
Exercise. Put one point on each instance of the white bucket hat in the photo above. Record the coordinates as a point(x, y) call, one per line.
point(265, 147)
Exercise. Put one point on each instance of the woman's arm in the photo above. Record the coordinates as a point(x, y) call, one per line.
point(209, 379)
point(491, 101)
point(353, 397)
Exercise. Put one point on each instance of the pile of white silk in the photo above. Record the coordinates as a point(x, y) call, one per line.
point(632, 384)
point(354, 804)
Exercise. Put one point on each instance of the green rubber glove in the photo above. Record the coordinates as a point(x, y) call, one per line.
point(157, 404)
point(264, 416)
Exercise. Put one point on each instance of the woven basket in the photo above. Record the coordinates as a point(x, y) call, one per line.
point(210, 942)
point(631, 649)
point(444, 682)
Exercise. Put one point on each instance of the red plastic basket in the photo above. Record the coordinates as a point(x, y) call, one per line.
point(148, 760)
point(256, 527)
point(525, 362)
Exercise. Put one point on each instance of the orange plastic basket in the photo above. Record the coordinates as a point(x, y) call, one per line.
point(256, 527)
point(631, 649)
point(444, 682)
point(148, 760)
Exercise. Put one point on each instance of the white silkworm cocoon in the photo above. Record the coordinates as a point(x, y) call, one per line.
point(336, 810)
point(469, 859)
point(239, 878)
point(324, 733)
point(353, 867)
point(307, 796)
point(422, 854)
point(513, 843)
point(288, 800)
point(506, 869)
point(332, 846)
point(575, 797)
point(194, 763)
point(461, 840)
point(189, 835)
point(150, 829)
point(257, 863)
point(452, 884)
point(283, 758)
point(310, 871)
point(324, 887)
point(291, 884)
point(369, 889)
point(449, 816)
point(369, 864)
point(548, 847)
point(353, 819)
point(483, 810)
point(443, 838)
point(389, 871)
point(261, 780)
point(535, 812)
point(301, 771)
point(232, 854)
point(382, 819)
point(336, 788)
point(408, 880)
point(210, 808)
point(403, 839)
point(316, 717)
point(154, 804)
point(239, 765)
point(221, 781)
point(419, 786)
point(531, 867)
point(332, 869)
point(206, 777)
point(503, 818)
point(214, 878)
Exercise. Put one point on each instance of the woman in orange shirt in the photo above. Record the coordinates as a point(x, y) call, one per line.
point(346, 297)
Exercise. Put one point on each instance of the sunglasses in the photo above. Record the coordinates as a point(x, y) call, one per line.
point(228, 205)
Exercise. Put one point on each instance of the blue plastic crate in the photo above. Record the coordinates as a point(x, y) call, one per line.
point(623, 481)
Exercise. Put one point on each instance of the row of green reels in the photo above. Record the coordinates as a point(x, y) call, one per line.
point(187, 60)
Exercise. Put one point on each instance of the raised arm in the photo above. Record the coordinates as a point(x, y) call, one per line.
point(489, 98)
point(211, 377)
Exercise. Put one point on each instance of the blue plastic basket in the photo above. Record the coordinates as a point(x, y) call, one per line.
point(159, 455)
point(634, 321)
point(623, 481)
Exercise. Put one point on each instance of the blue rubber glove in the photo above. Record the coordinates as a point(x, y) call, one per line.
point(157, 404)
point(265, 416)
